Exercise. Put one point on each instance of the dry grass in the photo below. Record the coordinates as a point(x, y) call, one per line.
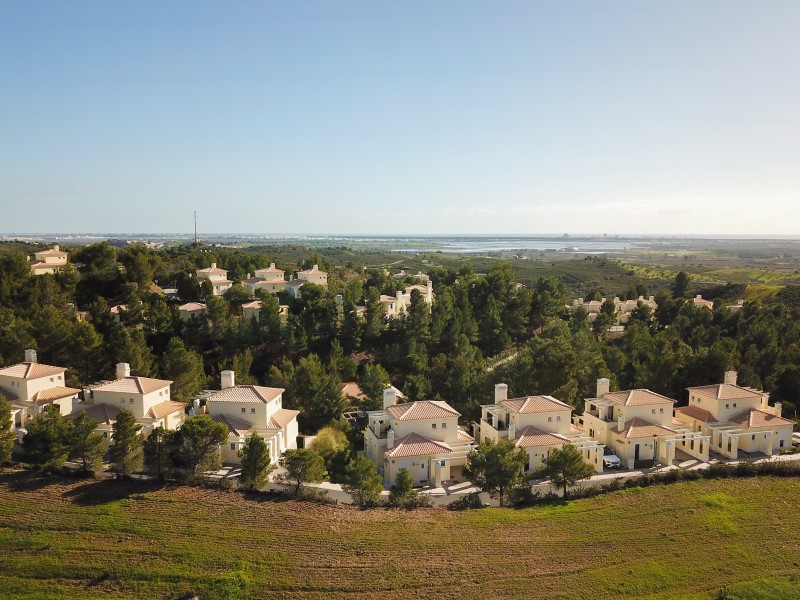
point(68, 539)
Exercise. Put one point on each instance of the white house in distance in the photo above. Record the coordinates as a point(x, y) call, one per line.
point(394, 306)
point(252, 410)
point(700, 303)
point(639, 425)
point(48, 261)
point(622, 308)
point(538, 425)
point(270, 279)
point(253, 308)
point(423, 437)
point(148, 399)
point(191, 309)
point(218, 278)
point(30, 386)
point(736, 418)
point(313, 275)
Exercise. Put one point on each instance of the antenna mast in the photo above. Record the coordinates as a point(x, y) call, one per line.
point(195, 228)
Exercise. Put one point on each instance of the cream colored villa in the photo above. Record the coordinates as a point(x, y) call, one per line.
point(423, 437)
point(736, 418)
point(313, 275)
point(270, 279)
point(30, 386)
point(699, 302)
point(394, 306)
point(252, 310)
point(638, 425)
point(252, 410)
point(48, 261)
point(191, 309)
point(148, 399)
point(218, 278)
point(622, 308)
point(538, 425)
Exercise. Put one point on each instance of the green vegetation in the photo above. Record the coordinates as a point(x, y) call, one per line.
point(565, 467)
point(497, 468)
point(137, 539)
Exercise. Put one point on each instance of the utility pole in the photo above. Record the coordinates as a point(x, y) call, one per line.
point(195, 228)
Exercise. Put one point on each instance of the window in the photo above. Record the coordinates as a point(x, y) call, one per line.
point(654, 411)
point(244, 409)
point(661, 410)
point(52, 379)
point(130, 401)
point(433, 425)
point(122, 400)
point(734, 405)
point(549, 419)
point(727, 406)
point(754, 437)
point(233, 446)
point(105, 434)
point(558, 418)
point(253, 411)
point(444, 425)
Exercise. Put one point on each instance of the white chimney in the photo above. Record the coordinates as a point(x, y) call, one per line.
point(500, 392)
point(621, 423)
point(30, 356)
point(390, 439)
point(226, 380)
point(271, 265)
point(778, 409)
point(389, 398)
point(196, 404)
point(512, 431)
point(699, 296)
point(730, 377)
point(315, 268)
point(55, 247)
point(377, 429)
point(603, 387)
point(123, 370)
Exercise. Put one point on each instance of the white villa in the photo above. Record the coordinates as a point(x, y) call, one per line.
point(191, 309)
point(538, 425)
point(270, 279)
point(622, 308)
point(736, 418)
point(48, 261)
point(638, 425)
point(30, 386)
point(252, 310)
point(218, 278)
point(148, 399)
point(394, 306)
point(423, 437)
point(252, 410)
point(313, 275)
point(700, 303)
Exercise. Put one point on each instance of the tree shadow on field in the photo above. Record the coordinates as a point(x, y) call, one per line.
point(94, 493)
point(26, 481)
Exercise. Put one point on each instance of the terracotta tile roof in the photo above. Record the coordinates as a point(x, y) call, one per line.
point(133, 385)
point(639, 428)
point(105, 414)
point(535, 404)
point(270, 269)
point(758, 418)
point(414, 444)
point(350, 389)
point(697, 413)
point(257, 304)
point(210, 270)
point(51, 252)
point(725, 391)
point(118, 308)
point(296, 282)
point(163, 409)
point(28, 370)
point(637, 398)
point(463, 436)
point(531, 437)
point(313, 270)
point(235, 426)
point(53, 393)
point(385, 298)
point(282, 417)
point(192, 306)
point(246, 393)
point(423, 409)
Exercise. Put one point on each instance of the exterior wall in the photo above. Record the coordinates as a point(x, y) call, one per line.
point(537, 455)
point(374, 447)
point(418, 466)
point(290, 433)
point(26, 388)
point(598, 429)
point(554, 422)
point(229, 450)
point(723, 410)
point(659, 414)
point(318, 278)
point(138, 404)
point(444, 430)
point(185, 315)
point(250, 412)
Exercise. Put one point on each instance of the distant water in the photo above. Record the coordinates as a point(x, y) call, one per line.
point(476, 246)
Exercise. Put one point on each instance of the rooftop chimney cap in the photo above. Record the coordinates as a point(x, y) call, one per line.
point(30, 355)
point(227, 379)
point(123, 370)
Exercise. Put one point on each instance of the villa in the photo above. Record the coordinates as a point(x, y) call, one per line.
point(48, 261)
point(217, 277)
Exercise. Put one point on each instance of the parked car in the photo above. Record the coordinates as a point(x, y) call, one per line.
point(796, 438)
point(611, 460)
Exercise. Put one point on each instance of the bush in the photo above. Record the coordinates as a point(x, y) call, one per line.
point(466, 502)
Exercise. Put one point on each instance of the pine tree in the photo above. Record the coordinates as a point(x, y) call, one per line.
point(7, 436)
point(126, 449)
point(185, 368)
point(86, 445)
point(255, 465)
point(46, 444)
point(362, 481)
point(158, 449)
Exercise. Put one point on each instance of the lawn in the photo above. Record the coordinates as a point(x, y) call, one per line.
point(87, 539)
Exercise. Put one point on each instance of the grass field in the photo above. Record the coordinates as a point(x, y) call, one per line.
point(87, 539)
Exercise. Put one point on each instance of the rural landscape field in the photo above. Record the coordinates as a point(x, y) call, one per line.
point(89, 539)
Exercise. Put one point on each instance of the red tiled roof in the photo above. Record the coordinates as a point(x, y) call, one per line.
point(758, 418)
point(423, 409)
point(531, 437)
point(53, 393)
point(235, 426)
point(28, 370)
point(639, 428)
point(282, 417)
point(163, 409)
point(246, 393)
point(133, 385)
point(105, 414)
point(414, 444)
point(535, 404)
point(637, 398)
point(725, 391)
point(697, 413)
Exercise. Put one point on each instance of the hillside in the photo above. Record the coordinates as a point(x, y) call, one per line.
point(85, 539)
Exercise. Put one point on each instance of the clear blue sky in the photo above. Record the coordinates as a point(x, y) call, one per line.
point(401, 117)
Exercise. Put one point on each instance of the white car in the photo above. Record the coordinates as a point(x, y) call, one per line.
point(611, 460)
point(796, 438)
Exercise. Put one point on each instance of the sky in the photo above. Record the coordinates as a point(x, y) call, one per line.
point(444, 117)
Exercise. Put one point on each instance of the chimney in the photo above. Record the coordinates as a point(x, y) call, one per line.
point(778, 409)
point(699, 296)
point(652, 298)
point(226, 380)
point(30, 356)
point(248, 276)
point(512, 431)
point(271, 265)
point(603, 387)
point(579, 302)
point(730, 377)
point(390, 439)
point(500, 392)
point(389, 398)
point(213, 265)
point(315, 268)
point(55, 247)
point(123, 370)
point(621, 422)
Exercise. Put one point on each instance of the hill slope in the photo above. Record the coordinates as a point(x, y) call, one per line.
point(116, 539)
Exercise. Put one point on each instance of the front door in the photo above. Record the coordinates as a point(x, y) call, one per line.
point(636, 452)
